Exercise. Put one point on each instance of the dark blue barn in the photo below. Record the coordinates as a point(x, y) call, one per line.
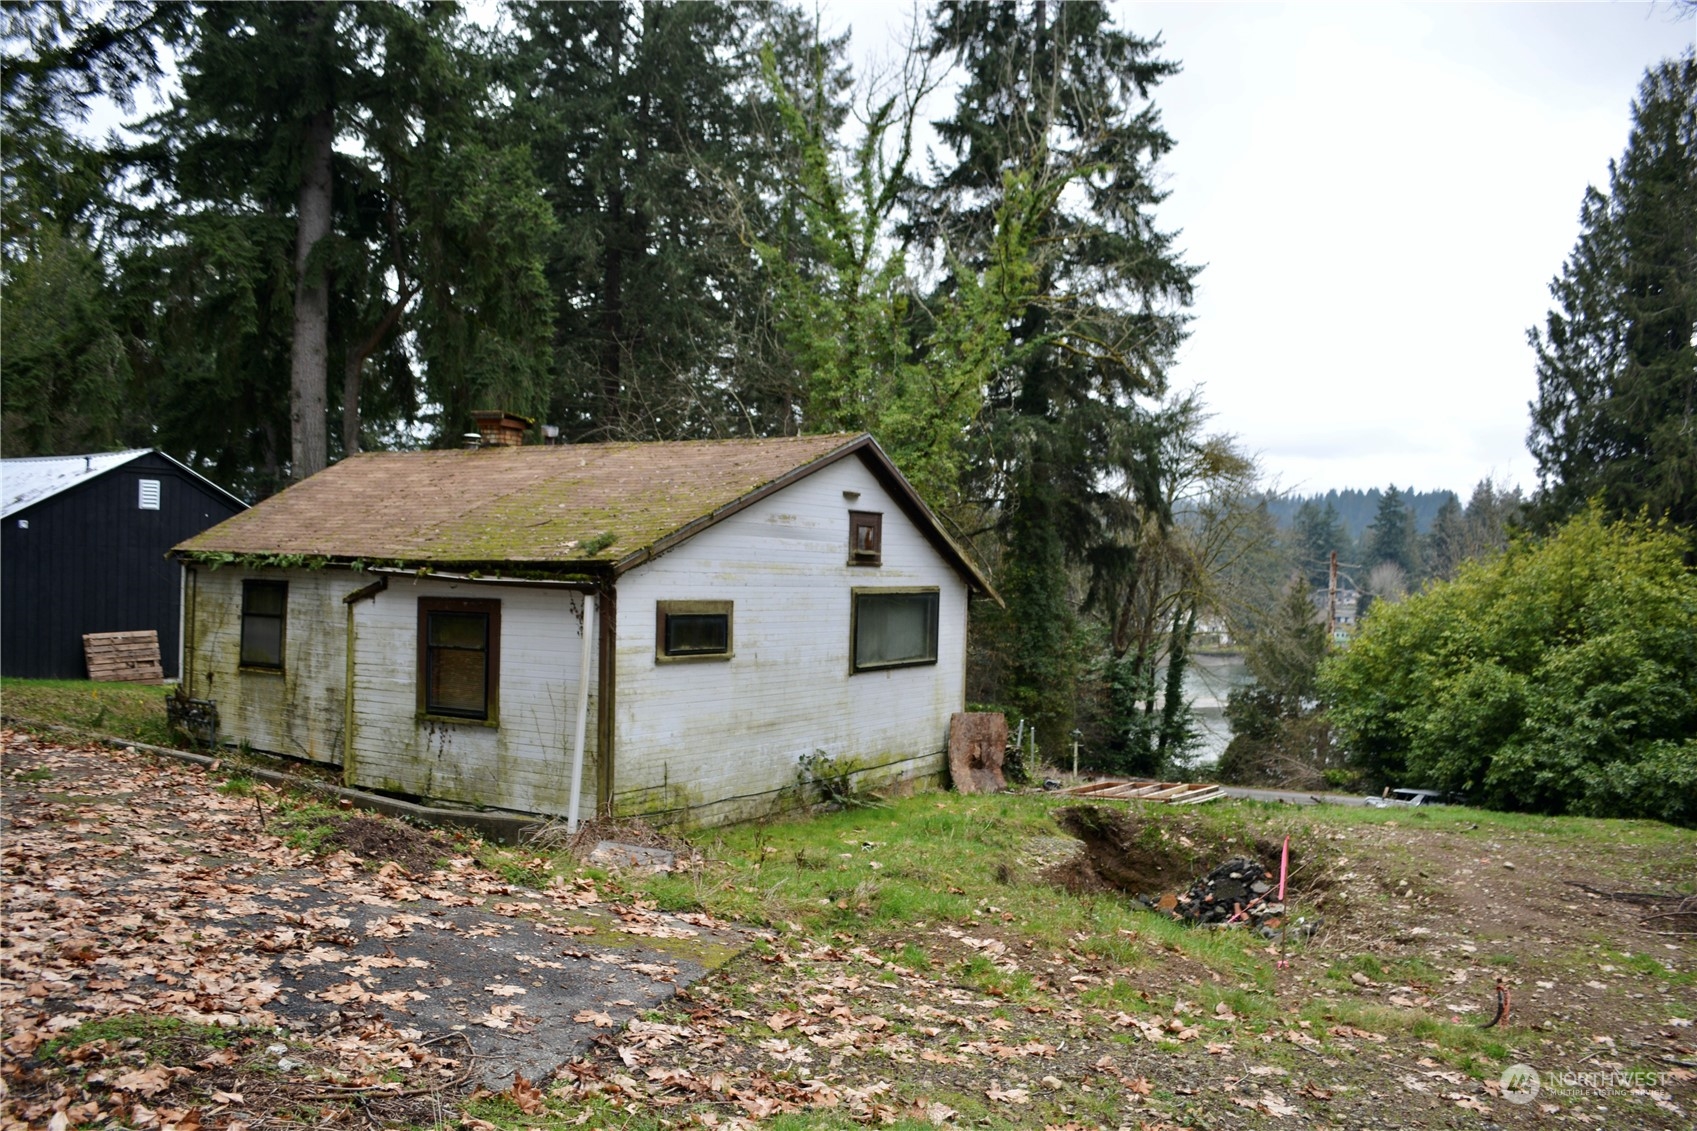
point(83, 545)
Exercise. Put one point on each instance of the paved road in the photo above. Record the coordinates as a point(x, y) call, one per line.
point(1294, 797)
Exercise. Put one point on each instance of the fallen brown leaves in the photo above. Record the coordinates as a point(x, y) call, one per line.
point(133, 911)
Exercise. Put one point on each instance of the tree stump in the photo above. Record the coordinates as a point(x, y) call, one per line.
point(977, 742)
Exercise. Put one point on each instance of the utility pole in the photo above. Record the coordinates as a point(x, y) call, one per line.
point(1332, 598)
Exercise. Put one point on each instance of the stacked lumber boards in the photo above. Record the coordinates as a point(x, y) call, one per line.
point(1169, 792)
point(123, 657)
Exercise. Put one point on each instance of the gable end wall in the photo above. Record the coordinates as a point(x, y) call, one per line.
point(715, 741)
point(89, 559)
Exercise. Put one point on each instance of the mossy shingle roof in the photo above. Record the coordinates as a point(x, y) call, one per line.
point(589, 506)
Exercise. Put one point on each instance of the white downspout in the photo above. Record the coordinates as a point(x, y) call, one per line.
point(589, 609)
point(183, 626)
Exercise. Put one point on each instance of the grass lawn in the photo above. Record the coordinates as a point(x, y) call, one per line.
point(133, 711)
point(952, 949)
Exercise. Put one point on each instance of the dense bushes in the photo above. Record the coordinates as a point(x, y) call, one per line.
point(1560, 677)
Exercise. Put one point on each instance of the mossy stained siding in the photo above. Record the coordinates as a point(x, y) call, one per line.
point(297, 711)
point(524, 761)
point(722, 740)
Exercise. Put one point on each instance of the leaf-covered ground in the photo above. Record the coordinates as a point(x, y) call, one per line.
point(185, 949)
point(937, 961)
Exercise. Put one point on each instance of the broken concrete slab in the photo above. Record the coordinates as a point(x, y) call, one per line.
point(618, 857)
point(524, 999)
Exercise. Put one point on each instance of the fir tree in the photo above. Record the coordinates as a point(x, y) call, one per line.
point(1317, 534)
point(68, 380)
point(1446, 543)
point(660, 143)
point(1490, 515)
point(332, 196)
point(1391, 537)
point(1616, 413)
point(1054, 141)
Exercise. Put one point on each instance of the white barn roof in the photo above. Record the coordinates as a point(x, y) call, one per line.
point(25, 482)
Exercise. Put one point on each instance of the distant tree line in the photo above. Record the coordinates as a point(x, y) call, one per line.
point(1355, 508)
point(1424, 535)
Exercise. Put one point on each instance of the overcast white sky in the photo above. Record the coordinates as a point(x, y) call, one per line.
point(1380, 195)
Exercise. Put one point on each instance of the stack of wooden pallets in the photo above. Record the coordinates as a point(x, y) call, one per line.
point(123, 657)
point(1170, 792)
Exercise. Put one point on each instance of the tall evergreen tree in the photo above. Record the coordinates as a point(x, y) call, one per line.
point(327, 188)
point(67, 377)
point(1491, 513)
point(659, 142)
point(1446, 543)
point(1616, 413)
point(1391, 537)
point(1316, 535)
point(1053, 114)
point(68, 383)
point(1279, 731)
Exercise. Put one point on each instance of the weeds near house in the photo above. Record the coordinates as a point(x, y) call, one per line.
point(831, 781)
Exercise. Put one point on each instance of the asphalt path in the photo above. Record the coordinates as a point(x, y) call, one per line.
point(1293, 797)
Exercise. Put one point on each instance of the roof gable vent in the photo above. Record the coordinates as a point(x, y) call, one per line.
point(501, 429)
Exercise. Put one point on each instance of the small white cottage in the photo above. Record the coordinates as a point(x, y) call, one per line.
point(680, 622)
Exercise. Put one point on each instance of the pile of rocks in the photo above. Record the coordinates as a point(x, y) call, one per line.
point(1241, 893)
point(1240, 890)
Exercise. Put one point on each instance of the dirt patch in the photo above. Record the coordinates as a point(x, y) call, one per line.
point(378, 840)
point(1124, 851)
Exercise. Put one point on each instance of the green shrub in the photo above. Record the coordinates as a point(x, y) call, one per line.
point(1560, 677)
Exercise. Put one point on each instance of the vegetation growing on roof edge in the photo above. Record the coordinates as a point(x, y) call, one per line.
point(480, 571)
point(217, 559)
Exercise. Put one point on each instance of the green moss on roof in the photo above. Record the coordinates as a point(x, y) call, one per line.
point(588, 504)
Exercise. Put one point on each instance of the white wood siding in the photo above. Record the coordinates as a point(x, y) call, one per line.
point(298, 711)
point(721, 740)
point(523, 763)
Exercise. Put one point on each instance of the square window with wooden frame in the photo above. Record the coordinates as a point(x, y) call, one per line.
point(866, 538)
point(265, 608)
point(893, 628)
point(692, 630)
point(459, 659)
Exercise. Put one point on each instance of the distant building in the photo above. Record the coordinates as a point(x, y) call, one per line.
point(1344, 614)
point(84, 547)
point(1212, 632)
